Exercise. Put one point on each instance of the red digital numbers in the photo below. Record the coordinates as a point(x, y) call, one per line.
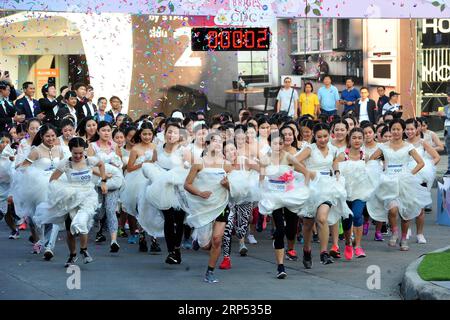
point(213, 41)
point(239, 39)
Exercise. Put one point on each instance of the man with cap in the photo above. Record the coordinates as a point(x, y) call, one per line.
point(392, 105)
point(8, 114)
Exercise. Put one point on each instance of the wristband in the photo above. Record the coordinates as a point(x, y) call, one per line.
point(337, 171)
point(104, 180)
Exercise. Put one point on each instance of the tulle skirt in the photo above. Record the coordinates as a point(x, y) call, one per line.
point(6, 176)
point(402, 190)
point(29, 189)
point(326, 189)
point(276, 194)
point(358, 182)
point(134, 183)
point(115, 182)
point(166, 189)
point(78, 201)
point(244, 186)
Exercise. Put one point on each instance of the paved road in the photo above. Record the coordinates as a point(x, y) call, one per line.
point(134, 275)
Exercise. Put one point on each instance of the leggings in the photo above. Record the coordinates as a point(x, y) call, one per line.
point(241, 214)
point(49, 235)
point(280, 216)
point(108, 210)
point(173, 228)
point(357, 207)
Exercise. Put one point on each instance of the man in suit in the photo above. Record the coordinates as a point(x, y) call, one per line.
point(90, 108)
point(8, 114)
point(116, 107)
point(69, 109)
point(365, 108)
point(27, 105)
point(50, 103)
point(83, 109)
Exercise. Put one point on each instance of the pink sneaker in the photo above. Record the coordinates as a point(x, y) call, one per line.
point(365, 228)
point(348, 252)
point(378, 236)
point(37, 248)
point(359, 252)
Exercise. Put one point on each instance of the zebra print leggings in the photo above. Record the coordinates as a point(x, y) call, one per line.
point(238, 219)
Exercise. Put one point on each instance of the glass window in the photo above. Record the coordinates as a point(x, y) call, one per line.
point(303, 34)
point(253, 66)
point(315, 34)
point(327, 31)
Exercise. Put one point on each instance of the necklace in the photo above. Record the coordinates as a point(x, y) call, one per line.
point(52, 162)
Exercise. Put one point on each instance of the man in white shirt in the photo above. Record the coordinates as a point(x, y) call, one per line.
point(89, 108)
point(288, 99)
point(68, 110)
point(365, 108)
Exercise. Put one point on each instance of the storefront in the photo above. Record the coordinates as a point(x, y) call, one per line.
point(433, 64)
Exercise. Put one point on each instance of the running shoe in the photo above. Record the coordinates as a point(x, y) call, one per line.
point(210, 277)
point(408, 234)
point(316, 237)
point(154, 247)
point(142, 244)
point(393, 240)
point(14, 235)
point(187, 244)
point(71, 261)
point(378, 236)
point(37, 248)
point(195, 245)
point(48, 254)
point(325, 258)
point(281, 274)
point(171, 258)
point(114, 247)
point(133, 239)
point(384, 229)
point(404, 245)
point(366, 226)
point(23, 226)
point(447, 173)
point(291, 255)
point(359, 252)
point(334, 252)
point(86, 256)
point(348, 252)
point(178, 255)
point(226, 263)
point(242, 249)
point(100, 237)
point(300, 238)
point(251, 239)
point(307, 260)
point(421, 239)
point(122, 233)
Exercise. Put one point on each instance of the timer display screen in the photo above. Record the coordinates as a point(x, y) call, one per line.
point(230, 39)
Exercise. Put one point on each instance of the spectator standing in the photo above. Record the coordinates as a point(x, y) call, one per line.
point(328, 97)
point(349, 96)
point(288, 99)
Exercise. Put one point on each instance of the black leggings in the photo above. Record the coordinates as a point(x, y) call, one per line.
point(173, 228)
point(280, 216)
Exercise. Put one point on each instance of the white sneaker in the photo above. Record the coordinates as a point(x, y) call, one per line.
point(251, 239)
point(421, 239)
point(408, 234)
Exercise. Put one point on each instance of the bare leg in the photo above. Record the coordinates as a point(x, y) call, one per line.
point(71, 243)
point(322, 222)
point(216, 243)
point(420, 222)
point(308, 227)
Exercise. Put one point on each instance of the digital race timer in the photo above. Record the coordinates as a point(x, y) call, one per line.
point(230, 39)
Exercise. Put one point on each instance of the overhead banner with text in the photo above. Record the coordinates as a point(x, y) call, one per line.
point(245, 12)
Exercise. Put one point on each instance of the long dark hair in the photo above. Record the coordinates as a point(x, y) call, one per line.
point(81, 128)
point(355, 129)
point(100, 125)
point(145, 125)
point(294, 143)
point(42, 131)
point(319, 127)
point(77, 142)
